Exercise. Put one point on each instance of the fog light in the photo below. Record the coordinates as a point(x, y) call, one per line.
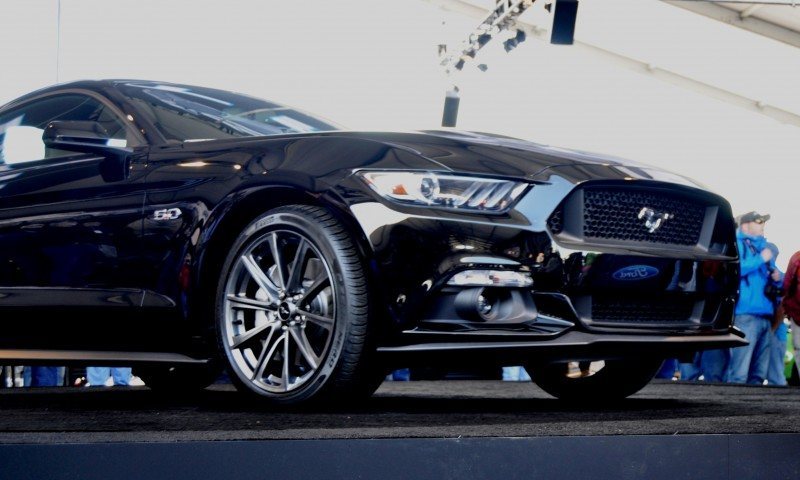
point(491, 278)
point(484, 306)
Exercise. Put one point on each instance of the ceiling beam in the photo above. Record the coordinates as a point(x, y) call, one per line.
point(743, 20)
point(750, 10)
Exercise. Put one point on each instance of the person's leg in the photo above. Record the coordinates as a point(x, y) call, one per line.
point(44, 376)
point(122, 376)
point(668, 369)
point(796, 344)
point(19, 379)
point(510, 374)
point(714, 363)
point(782, 355)
point(691, 371)
point(739, 366)
point(97, 376)
point(777, 354)
point(759, 363)
point(401, 375)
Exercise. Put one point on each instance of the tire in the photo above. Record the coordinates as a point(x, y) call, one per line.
point(292, 316)
point(617, 379)
point(176, 380)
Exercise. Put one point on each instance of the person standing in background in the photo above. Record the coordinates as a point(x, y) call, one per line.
point(47, 376)
point(98, 376)
point(791, 300)
point(779, 331)
point(754, 311)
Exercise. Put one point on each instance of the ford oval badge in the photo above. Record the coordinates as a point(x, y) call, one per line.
point(635, 272)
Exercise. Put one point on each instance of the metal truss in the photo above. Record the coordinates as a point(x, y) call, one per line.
point(501, 17)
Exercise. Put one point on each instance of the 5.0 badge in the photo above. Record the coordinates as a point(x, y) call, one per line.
point(167, 214)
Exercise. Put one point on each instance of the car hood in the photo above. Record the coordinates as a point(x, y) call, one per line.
point(450, 150)
point(481, 153)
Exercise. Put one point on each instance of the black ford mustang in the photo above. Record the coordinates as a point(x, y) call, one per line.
point(184, 229)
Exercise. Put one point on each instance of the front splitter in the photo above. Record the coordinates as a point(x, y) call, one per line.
point(573, 345)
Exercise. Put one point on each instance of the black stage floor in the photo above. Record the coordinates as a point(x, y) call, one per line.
point(467, 429)
point(446, 409)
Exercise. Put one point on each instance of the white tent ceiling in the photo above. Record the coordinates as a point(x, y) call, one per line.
point(625, 55)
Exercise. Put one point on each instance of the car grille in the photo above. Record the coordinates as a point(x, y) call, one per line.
point(612, 214)
point(671, 311)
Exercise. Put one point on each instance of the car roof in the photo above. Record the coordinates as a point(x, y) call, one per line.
point(97, 86)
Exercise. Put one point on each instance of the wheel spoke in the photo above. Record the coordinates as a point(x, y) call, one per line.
point(251, 334)
point(244, 303)
point(304, 346)
point(314, 290)
point(261, 278)
point(276, 256)
point(285, 362)
point(298, 266)
point(324, 322)
point(266, 354)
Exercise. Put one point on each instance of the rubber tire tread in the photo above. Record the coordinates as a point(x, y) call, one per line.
point(617, 380)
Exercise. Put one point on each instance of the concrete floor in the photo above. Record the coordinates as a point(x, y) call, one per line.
point(442, 409)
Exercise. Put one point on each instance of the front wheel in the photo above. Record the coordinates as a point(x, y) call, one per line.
point(592, 382)
point(292, 309)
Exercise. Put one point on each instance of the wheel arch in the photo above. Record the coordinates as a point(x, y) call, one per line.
point(226, 222)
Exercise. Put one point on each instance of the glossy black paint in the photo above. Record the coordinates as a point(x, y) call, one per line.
point(69, 236)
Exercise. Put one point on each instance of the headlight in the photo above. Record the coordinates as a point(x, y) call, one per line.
point(444, 190)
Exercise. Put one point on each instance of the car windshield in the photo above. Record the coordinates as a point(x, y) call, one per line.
point(183, 113)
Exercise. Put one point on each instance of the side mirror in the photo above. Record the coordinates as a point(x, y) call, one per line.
point(90, 137)
point(75, 134)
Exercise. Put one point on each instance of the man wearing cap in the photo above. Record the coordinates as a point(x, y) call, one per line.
point(754, 311)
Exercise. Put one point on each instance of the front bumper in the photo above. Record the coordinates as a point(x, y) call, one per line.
point(592, 300)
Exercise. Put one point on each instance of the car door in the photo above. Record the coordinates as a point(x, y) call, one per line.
point(69, 236)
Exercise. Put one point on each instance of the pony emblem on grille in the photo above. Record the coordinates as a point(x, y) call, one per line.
point(653, 220)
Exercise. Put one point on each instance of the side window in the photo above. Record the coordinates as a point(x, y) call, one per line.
point(21, 129)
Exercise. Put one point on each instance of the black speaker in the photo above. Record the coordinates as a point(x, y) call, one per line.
point(563, 32)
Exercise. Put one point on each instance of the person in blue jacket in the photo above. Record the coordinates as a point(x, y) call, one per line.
point(754, 311)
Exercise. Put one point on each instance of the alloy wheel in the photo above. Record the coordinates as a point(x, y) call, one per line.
point(279, 312)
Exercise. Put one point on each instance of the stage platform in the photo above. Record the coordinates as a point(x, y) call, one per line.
point(446, 429)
